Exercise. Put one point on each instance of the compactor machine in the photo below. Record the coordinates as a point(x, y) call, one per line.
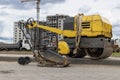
point(83, 35)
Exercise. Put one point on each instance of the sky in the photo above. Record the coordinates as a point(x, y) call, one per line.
point(14, 10)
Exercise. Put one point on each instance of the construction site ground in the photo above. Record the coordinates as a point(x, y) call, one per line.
point(80, 69)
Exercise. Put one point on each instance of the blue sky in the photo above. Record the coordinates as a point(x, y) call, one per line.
point(14, 10)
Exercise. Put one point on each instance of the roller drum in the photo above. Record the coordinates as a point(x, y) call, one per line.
point(98, 53)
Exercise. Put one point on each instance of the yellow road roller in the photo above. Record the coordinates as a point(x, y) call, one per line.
point(83, 35)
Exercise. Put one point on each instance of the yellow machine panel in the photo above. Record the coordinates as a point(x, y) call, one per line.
point(63, 47)
point(92, 26)
point(95, 25)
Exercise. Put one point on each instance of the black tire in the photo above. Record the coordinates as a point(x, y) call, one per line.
point(94, 52)
point(21, 61)
point(23, 49)
point(27, 60)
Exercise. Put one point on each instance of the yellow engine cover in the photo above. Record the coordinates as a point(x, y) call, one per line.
point(95, 25)
point(63, 48)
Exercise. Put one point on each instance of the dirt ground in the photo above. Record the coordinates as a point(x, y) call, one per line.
point(79, 69)
point(14, 71)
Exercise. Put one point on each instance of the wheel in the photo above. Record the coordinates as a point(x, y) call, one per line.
point(27, 60)
point(23, 49)
point(80, 54)
point(21, 61)
point(94, 52)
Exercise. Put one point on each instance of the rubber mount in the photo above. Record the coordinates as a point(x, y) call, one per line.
point(21, 61)
point(27, 60)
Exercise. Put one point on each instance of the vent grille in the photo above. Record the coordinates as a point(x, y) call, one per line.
point(86, 24)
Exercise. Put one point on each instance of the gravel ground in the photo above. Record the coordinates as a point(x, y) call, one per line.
point(14, 71)
point(80, 69)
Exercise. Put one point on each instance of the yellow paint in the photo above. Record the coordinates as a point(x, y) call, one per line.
point(99, 26)
point(67, 33)
point(63, 48)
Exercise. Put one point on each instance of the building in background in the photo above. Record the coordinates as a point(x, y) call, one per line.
point(48, 38)
point(17, 33)
point(55, 21)
point(60, 26)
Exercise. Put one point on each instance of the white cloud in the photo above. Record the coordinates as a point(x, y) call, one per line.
point(107, 8)
point(11, 16)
